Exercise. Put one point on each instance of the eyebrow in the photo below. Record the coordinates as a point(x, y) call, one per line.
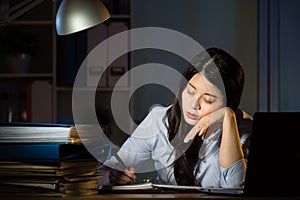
point(204, 93)
point(192, 85)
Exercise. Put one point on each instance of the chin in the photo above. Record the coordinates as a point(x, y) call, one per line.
point(190, 121)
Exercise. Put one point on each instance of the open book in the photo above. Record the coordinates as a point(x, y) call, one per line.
point(156, 188)
point(149, 187)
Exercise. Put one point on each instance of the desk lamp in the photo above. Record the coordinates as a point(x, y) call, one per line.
point(77, 15)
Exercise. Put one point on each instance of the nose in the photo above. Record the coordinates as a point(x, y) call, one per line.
point(195, 104)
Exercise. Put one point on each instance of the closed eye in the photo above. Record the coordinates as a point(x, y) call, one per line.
point(209, 98)
point(191, 89)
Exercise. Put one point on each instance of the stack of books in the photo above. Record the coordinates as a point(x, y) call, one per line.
point(47, 159)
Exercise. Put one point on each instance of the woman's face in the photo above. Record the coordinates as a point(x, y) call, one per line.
point(199, 98)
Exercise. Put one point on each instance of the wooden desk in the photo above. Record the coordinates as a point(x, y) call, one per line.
point(178, 196)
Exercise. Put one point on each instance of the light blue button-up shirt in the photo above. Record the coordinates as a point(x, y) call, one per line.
point(150, 141)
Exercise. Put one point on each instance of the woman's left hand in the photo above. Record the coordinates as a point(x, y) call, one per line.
point(207, 124)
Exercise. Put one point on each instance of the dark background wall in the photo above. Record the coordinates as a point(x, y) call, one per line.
point(230, 24)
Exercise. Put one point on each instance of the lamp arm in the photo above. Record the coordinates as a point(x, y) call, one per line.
point(17, 10)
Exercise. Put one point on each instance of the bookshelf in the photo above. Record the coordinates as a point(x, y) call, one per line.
point(42, 91)
point(27, 64)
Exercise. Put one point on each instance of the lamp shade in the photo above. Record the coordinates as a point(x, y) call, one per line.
point(77, 15)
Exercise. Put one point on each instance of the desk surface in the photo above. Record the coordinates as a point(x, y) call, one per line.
point(179, 196)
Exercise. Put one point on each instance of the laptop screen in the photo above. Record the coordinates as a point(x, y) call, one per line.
point(273, 167)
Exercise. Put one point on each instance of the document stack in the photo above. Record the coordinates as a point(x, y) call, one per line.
point(48, 160)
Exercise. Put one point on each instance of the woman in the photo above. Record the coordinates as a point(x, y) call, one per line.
point(201, 139)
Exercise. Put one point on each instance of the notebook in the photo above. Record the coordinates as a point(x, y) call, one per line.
point(272, 168)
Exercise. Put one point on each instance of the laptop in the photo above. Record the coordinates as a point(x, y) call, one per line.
point(272, 168)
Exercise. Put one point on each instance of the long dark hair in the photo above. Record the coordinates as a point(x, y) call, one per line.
point(215, 64)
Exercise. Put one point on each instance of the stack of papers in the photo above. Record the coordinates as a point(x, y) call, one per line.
point(48, 160)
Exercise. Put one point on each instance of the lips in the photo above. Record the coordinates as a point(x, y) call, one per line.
point(192, 116)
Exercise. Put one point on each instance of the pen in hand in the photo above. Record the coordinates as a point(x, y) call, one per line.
point(128, 175)
point(123, 166)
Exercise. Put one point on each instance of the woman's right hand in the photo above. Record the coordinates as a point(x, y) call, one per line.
point(117, 177)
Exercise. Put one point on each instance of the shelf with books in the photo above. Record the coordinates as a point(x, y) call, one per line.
point(27, 61)
point(45, 86)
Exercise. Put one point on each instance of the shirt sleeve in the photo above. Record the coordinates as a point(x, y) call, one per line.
point(138, 147)
point(233, 176)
